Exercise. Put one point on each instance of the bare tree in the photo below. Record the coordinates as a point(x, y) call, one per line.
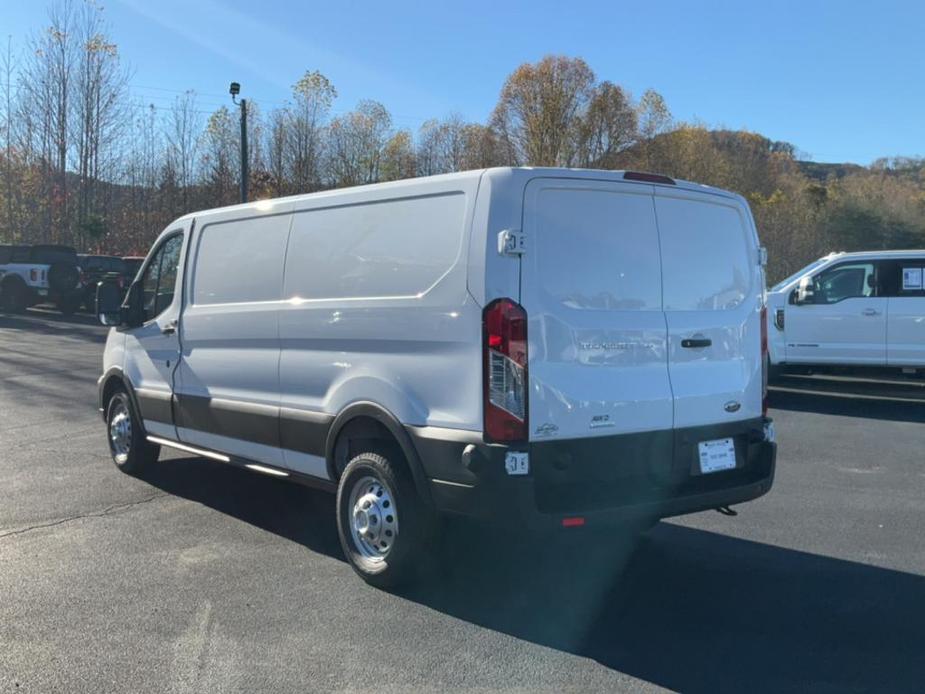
point(99, 113)
point(220, 170)
point(183, 128)
point(441, 146)
point(313, 95)
point(356, 141)
point(46, 85)
point(608, 127)
point(9, 67)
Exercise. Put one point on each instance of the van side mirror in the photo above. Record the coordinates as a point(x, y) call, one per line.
point(109, 303)
point(805, 291)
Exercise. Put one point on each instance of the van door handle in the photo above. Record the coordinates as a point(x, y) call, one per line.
point(870, 312)
point(170, 328)
point(696, 342)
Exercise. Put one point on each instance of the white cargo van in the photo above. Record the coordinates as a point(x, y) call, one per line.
point(541, 347)
point(851, 309)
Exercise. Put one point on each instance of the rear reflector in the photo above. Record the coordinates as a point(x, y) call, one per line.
point(647, 177)
point(575, 522)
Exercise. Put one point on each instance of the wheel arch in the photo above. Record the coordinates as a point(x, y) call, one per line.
point(368, 420)
point(113, 380)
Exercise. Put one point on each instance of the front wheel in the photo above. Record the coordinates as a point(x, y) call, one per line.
point(383, 524)
point(130, 450)
point(12, 298)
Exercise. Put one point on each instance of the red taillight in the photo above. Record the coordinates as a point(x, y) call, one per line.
point(764, 361)
point(33, 275)
point(504, 326)
point(573, 522)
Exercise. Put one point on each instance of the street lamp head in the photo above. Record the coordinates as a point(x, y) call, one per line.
point(234, 89)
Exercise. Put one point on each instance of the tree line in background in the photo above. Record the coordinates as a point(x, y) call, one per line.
point(82, 163)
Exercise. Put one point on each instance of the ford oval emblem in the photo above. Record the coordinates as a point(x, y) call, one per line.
point(732, 406)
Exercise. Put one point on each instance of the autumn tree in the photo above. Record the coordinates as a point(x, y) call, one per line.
point(398, 157)
point(608, 127)
point(540, 109)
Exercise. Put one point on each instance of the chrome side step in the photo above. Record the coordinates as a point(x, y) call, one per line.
point(189, 449)
point(305, 479)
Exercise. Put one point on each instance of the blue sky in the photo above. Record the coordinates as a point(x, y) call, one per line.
point(843, 81)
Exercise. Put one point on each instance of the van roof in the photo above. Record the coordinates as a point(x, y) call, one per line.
point(526, 171)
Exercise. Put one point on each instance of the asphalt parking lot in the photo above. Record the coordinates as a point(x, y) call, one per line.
point(203, 578)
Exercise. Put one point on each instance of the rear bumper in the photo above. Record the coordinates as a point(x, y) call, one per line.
point(604, 481)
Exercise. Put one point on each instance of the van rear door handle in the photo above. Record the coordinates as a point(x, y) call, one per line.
point(696, 342)
point(170, 328)
point(870, 312)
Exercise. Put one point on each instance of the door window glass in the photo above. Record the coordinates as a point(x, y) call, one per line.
point(159, 280)
point(149, 283)
point(847, 281)
point(170, 263)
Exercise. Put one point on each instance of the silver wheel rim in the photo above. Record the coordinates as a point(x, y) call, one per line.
point(373, 518)
point(120, 432)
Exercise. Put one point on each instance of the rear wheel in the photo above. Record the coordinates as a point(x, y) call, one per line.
point(129, 449)
point(383, 524)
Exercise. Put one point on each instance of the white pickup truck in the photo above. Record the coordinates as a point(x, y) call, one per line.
point(38, 274)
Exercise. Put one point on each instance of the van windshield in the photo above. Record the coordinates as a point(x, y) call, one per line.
point(799, 273)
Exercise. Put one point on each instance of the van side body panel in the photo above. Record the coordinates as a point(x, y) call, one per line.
point(407, 338)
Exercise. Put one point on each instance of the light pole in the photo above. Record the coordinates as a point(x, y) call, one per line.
point(234, 90)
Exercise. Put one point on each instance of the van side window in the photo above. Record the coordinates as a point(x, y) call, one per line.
point(379, 249)
point(240, 261)
point(846, 281)
point(160, 277)
point(6, 252)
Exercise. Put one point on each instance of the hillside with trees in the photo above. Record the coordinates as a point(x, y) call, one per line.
point(83, 163)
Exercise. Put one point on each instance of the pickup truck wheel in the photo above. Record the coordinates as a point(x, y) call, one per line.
point(129, 449)
point(382, 523)
point(12, 297)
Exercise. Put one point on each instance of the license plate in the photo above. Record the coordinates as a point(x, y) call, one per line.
point(717, 455)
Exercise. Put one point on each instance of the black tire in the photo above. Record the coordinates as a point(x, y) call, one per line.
point(63, 278)
point(405, 552)
point(13, 296)
point(132, 453)
point(68, 305)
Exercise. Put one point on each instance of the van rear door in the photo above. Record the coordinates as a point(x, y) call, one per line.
point(591, 284)
point(712, 285)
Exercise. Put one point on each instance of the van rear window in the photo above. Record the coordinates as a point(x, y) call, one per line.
point(705, 254)
point(597, 249)
point(382, 249)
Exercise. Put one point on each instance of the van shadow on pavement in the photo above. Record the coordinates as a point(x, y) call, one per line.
point(686, 609)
